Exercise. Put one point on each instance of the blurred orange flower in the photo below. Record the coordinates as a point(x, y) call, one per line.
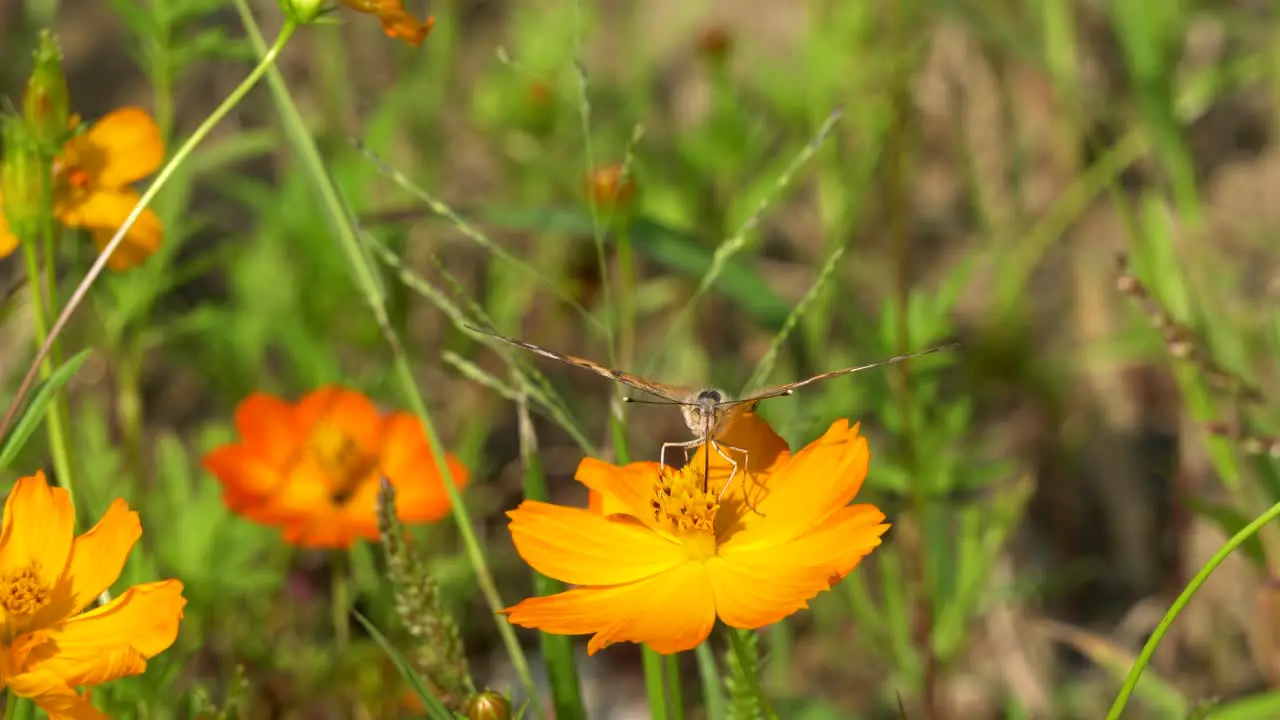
point(396, 22)
point(610, 188)
point(91, 181)
point(48, 647)
point(313, 468)
point(661, 558)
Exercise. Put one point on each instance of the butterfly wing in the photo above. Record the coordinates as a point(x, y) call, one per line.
point(791, 387)
point(666, 392)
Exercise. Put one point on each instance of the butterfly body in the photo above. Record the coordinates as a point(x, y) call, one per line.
point(707, 412)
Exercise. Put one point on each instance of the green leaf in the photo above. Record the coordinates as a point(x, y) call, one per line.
point(30, 417)
point(1262, 706)
point(435, 709)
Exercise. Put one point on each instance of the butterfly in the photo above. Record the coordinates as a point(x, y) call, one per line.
point(708, 412)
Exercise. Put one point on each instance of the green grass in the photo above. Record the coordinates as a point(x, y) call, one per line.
point(849, 182)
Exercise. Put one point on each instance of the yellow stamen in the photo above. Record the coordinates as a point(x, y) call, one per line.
point(22, 593)
point(344, 463)
point(683, 506)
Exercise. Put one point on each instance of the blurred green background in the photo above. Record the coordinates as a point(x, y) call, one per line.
point(817, 184)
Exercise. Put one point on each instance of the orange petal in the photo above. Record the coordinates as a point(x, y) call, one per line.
point(322, 531)
point(266, 424)
point(39, 525)
point(8, 241)
point(97, 557)
point(765, 449)
point(814, 483)
point(243, 474)
point(345, 410)
point(53, 695)
point(626, 490)
point(757, 587)
point(124, 146)
point(410, 466)
point(115, 640)
point(103, 211)
point(670, 612)
point(577, 546)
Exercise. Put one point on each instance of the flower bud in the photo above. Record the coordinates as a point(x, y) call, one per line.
point(21, 178)
point(714, 44)
point(45, 105)
point(488, 705)
point(610, 190)
point(302, 11)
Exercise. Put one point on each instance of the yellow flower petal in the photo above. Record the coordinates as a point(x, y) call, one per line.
point(670, 612)
point(39, 524)
point(122, 147)
point(115, 640)
point(8, 241)
point(580, 547)
point(626, 490)
point(103, 212)
point(803, 492)
point(55, 696)
point(97, 557)
point(763, 585)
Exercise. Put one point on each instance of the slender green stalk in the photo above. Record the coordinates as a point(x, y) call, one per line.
point(748, 667)
point(654, 687)
point(367, 282)
point(1144, 657)
point(709, 673)
point(626, 294)
point(557, 650)
point(10, 702)
point(268, 58)
point(340, 602)
point(57, 419)
point(675, 694)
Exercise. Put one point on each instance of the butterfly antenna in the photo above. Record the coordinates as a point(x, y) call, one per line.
point(641, 401)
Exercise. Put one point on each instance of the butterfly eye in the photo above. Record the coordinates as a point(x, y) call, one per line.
point(712, 395)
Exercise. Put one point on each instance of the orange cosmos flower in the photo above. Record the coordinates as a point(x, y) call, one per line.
point(663, 558)
point(48, 647)
point(91, 180)
point(312, 468)
point(396, 22)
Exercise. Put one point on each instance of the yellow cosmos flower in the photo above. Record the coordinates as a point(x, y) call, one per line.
point(48, 647)
point(91, 185)
point(663, 557)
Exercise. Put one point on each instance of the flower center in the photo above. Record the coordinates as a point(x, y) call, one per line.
point(345, 465)
point(682, 505)
point(22, 593)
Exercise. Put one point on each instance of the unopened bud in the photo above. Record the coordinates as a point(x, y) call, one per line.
point(21, 178)
point(302, 11)
point(488, 705)
point(45, 104)
point(610, 190)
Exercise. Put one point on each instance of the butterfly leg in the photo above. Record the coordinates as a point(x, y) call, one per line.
point(746, 495)
point(686, 446)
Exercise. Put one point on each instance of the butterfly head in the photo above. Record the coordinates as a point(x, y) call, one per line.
point(705, 411)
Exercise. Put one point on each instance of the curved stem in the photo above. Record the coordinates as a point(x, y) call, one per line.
point(268, 59)
point(57, 420)
point(1149, 649)
point(367, 282)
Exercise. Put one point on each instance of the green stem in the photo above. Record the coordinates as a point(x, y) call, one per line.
point(340, 600)
point(626, 294)
point(1149, 649)
point(268, 59)
point(57, 421)
point(748, 669)
point(712, 694)
point(367, 281)
point(557, 650)
point(654, 687)
point(676, 694)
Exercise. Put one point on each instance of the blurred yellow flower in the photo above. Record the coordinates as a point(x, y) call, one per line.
point(396, 22)
point(91, 180)
point(659, 557)
point(48, 647)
